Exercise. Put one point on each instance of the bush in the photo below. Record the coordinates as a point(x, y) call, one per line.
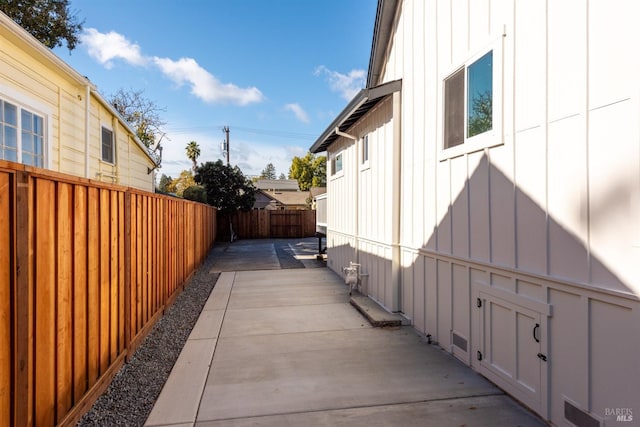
point(197, 193)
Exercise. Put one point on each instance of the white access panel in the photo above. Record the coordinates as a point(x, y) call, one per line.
point(511, 352)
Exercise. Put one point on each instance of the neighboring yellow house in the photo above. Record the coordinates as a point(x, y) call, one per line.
point(54, 118)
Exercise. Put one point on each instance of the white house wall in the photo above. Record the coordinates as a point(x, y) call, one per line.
point(374, 209)
point(341, 211)
point(546, 218)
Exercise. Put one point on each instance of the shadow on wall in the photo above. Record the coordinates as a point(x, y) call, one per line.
point(493, 221)
point(496, 242)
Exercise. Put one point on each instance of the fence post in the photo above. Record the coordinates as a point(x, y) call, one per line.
point(23, 241)
point(127, 272)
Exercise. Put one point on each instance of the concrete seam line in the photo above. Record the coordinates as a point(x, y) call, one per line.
point(379, 405)
point(215, 346)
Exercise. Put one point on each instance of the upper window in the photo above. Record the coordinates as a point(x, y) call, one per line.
point(21, 135)
point(468, 101)
point(336, 163)
point(480, 96)
point(365, 149)
point(107, 146)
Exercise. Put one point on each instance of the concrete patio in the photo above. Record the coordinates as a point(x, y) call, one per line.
point(277, 347)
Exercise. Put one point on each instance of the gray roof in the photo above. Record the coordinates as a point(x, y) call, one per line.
point(277, 184)
point(316, 191)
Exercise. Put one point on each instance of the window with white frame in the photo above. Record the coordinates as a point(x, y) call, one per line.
point(365, 149)
point(108, 147)
point(22, 137)
point(469, 101)
point(336, 163)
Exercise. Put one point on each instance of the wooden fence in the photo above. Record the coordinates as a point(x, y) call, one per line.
point(262, 224)
point(85, 271)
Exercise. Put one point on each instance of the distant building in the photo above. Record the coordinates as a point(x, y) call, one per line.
point(54, 118)
point(280, 194)
point(319, 195)
point(277, 185)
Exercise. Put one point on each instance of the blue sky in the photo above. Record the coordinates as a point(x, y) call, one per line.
point(277, 72)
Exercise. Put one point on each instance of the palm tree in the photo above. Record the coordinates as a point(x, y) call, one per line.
point(193, 152)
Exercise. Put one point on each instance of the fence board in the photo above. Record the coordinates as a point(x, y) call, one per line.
point(80, 327)
point(93, 287)
point(114, 256)
point(121, 272)
point(45, 260)
point(64, 341)
point(6, 283)
point(104, 280)
point(22, 212)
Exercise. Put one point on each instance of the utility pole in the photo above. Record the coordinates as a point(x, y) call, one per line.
point(227, 148)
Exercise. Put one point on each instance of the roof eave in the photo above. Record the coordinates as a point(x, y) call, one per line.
point(35, 44)
point(358, 107)
point(353, 105)
point(385, 15)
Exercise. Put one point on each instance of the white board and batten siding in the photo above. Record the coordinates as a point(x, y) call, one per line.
point(371, 231)
point(528, 245)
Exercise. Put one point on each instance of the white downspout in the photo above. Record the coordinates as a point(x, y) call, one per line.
point(87, 121)
point(396, 187)
point(357, 193)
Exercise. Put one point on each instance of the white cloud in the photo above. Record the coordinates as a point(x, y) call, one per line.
point(347, 85)
point(298, 111)
point(106, 47)
point(205, 85)
point(252, 157)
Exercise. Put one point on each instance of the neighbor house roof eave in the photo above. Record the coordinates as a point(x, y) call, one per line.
point(48, 54)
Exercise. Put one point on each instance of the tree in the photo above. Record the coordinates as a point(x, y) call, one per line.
point(227, 188)
point(181, 183)
point(309, 171)
point(282, 176)
point(193, 152)
point(269, 172)
point(142, 114)
point(197, 193)
point(480, 119)
point(50, 21)
point(319, 172)
point(165, 182)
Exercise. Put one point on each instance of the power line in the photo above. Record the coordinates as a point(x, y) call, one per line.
point(269, 132)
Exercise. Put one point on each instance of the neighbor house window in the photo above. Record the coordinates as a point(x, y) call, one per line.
point(336, 163)
point(32, 139)
point(107, 146)
point(468, 99)
point(21, 135)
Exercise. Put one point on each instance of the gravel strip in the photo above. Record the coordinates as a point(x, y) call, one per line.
point(130, 397)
